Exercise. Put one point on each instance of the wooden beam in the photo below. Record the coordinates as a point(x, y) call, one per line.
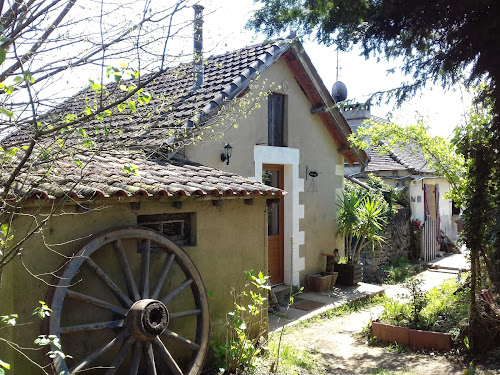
point(319, 109)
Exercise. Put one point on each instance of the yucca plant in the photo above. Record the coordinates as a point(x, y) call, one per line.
point(361, 220)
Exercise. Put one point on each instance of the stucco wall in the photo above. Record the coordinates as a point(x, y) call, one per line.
point(230, 239)
point(317, 151)
point(416, 197)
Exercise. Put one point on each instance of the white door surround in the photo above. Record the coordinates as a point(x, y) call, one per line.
point(290, 159)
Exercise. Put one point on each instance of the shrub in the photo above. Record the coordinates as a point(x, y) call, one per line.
point(442, 309)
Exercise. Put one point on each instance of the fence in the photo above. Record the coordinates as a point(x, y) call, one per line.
point(430, 245)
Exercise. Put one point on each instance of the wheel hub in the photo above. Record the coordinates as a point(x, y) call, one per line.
point(147, 319)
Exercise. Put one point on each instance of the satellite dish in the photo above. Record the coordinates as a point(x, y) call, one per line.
point(339, 91)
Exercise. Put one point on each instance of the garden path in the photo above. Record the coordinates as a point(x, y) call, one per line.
point(335, 349)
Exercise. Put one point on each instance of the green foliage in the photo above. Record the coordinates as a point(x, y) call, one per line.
point(292, 358)
point(442, 309)
point(441, 155)
point(362, 218)
point(43, 311)
point(245, 325)
point(400, 270)
point(436, 40)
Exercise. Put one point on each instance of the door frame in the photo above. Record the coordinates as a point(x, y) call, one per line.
point(294, 185)
point(281, 217)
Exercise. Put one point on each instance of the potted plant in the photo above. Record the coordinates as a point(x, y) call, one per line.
point(362, 220)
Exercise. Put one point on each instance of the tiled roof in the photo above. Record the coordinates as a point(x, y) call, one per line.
point(409, 158)
point(105, 176)
point(174, 104)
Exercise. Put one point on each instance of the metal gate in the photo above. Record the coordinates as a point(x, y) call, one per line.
point(429, 242)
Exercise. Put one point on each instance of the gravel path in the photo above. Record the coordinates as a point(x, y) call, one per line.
point(337, 350)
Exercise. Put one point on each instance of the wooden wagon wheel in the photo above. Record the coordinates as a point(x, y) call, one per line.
point(125, 326)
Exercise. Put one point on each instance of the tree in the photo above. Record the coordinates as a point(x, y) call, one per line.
point(472, 171)
point(362, 219)
point(439, 41)
point(119, 48)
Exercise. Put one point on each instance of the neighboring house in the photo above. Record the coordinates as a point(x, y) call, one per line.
point(407, 168)
point(289, 135)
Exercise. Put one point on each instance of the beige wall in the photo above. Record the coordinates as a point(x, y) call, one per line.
point(305, 132)
point(230, 239)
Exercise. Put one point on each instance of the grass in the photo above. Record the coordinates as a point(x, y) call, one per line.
point(400, 271)
point(345, 309)
point(294, 360)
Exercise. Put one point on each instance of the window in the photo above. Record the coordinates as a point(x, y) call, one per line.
point(275, 120)
point(179, 228)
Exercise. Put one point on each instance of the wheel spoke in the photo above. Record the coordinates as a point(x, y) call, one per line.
point(178, 338)
point(176, 291)
point(97, 302)
point(146, 253)
point(150, 359)
point(183, 314)
point(164, 271)
point(136, 358)
point(122, 297)
point(92, 326)
point(127, 273)
point(120, 356)
point(92, 357)
point(167, 357)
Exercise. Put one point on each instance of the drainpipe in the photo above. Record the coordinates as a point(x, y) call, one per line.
point(198, 70)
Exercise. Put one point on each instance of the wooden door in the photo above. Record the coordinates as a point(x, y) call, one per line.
point(272, 175)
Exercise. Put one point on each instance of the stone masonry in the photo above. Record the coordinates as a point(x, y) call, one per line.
point(397, 244)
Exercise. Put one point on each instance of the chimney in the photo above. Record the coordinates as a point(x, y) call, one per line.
point(198, 69)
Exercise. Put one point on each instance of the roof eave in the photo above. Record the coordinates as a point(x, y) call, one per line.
point(304, 71)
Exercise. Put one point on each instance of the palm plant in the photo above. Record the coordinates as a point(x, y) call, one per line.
point(362, 220)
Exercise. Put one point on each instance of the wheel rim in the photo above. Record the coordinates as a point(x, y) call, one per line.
point(136, 326)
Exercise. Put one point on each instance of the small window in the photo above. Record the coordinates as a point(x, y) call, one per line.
point(455, 209)
point(179, 228)
point(275, 120)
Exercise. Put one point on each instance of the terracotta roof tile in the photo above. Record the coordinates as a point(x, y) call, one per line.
point(105, 176)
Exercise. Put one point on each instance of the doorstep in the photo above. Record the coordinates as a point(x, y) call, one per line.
point(328, 300)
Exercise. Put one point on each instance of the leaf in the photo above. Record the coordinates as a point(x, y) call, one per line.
point(3, 55)
point(4, 365)
point(7, 112)
point(131, 168)
point(132, 106)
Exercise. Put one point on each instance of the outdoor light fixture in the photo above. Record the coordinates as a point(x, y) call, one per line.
point(226, 155)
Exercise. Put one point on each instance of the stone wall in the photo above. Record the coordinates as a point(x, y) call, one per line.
point(397, 244)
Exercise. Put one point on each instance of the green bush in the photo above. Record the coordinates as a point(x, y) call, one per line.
point(442, 309)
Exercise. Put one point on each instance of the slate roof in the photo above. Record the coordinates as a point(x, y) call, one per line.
point(408, 158)
point(104, 176)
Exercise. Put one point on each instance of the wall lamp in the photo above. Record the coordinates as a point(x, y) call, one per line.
point(226, 155)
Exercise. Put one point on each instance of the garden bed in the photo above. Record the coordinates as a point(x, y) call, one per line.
point(413, 337)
